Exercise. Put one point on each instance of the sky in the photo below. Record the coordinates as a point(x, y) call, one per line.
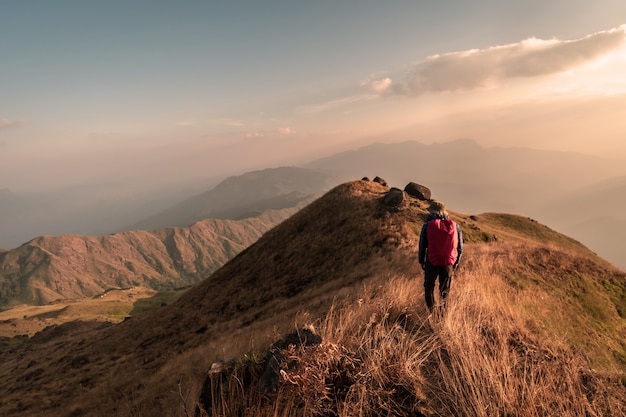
point(172, 90)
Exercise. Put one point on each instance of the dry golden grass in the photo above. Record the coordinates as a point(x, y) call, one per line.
point(384, 355)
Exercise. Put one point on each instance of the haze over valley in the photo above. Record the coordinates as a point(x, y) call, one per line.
point(582, 198)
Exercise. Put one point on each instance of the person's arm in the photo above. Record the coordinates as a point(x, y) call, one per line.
point(459, 246)
point(423, 245)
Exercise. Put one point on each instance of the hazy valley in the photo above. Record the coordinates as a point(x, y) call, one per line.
point(564, 190)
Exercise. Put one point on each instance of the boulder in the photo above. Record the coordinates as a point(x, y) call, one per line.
point(393, 197)
point(270, 377)
point(418, 191)
point(380, 181)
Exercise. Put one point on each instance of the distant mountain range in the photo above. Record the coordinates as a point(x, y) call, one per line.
point(473, 178)
point(243, 196)
point(541, 184)
point(219, 224)
point(595, 215)
point(53, 268)
point(92, 209)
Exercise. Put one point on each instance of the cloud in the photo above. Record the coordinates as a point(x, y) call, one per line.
point(332, 104)
point(213, 122)
point(281, 131)
point(186, 123)
point(227, 122)
point(8, 124)
point(285, 131)
point(380, 86)
point(483, 68)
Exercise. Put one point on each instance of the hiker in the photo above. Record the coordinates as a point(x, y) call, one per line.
point(440, 249)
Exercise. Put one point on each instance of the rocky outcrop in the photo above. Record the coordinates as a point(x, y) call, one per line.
point(270, 377)
point(393, 197)
point(380, 181)
point(245, 373)
point(418, 191)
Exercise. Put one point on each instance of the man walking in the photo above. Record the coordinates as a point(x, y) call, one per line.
point(440, 249)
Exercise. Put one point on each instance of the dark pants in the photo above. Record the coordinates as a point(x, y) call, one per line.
point(431, 273)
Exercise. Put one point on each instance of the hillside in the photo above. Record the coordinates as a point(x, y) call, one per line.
point(109, 207)
point(562, 189)
point(346, 264)
point(53, 268)
point(593, 214)
point(244, 196)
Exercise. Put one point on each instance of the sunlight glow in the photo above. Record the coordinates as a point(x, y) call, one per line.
point(603, 76)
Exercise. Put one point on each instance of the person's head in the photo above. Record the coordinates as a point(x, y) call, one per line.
point(437, 207)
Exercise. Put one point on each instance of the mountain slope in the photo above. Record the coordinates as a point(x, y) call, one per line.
point(343, 246)
point(564, 190)
point(594, 214)
point(243, 196)
point(50, 268)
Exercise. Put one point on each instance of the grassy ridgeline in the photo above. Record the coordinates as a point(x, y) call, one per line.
point(489, 354)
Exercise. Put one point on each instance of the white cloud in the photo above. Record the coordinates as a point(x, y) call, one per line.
point(256, 135)
point(8, 123)
point(281, 131)
point(213, 122)
point(332, 104)
point(382, 85)
point(285, 131)
point(483, 68)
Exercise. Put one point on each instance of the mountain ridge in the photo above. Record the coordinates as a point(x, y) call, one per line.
point(53, 268)
point(244, 195)
point(464, 174)
point(101, 208)
point(546, 185)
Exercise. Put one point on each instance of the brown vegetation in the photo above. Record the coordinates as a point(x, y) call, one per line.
point(535, 326)
point(383, 355)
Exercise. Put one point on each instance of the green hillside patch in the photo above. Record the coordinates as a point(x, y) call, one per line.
point(566, 295)
point(615, 288)
point(502, 226)
point(159, 299)
point(51, 314)
point(114, 305)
